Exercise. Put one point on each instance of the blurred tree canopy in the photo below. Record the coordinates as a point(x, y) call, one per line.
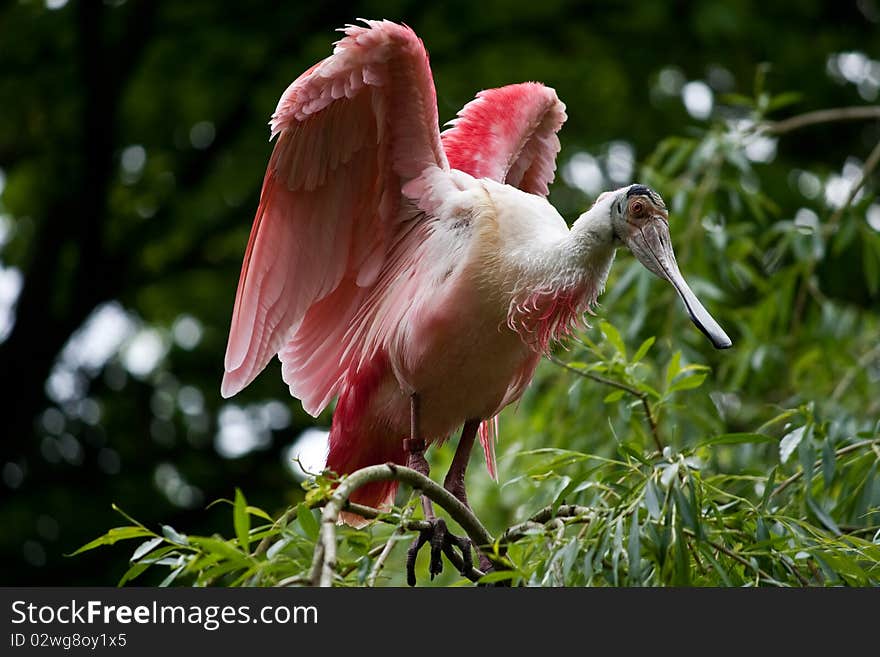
point(132, 148)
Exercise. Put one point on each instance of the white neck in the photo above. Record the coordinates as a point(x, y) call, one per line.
point(565, 280)
point(586, 253)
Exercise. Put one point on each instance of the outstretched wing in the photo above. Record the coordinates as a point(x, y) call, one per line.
point(352, 130)
point(509, 135)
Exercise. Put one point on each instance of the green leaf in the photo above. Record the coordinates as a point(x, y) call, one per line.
point(146, 547)
point(768, 489)
point(133, 572)
point(737, 99)
point(643, 349)
point(569, 554)
point(737, 439)
point(634, 551)
point(617, 545)
point(277, 547)
point(652, 499)
point(806, 455)
point(685, 508)
point(789, 443)
point(845, 566)
point(823, 516)
point(171, 576)
point(688, 383)
point(256, 511)
point(829, 462)
point(784, 100)
point(673, 369)
point(614, 396)
point(499, 576)
point(782, 417)
point(307, 521)
point(113, 535)
point(173, 535)
point(242, 521)
point(221, 548)
point(613, 336)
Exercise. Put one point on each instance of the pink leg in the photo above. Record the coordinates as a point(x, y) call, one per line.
point(440, 539)
point(415, 451)
point(454, 481)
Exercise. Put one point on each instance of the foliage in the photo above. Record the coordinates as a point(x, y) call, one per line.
point(136, 194)
point(634, 518)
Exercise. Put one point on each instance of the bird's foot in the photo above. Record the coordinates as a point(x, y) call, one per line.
point(442, 541)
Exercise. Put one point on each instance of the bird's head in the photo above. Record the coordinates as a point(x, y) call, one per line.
point(640, 221)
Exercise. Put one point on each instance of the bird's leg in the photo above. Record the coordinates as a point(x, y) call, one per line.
point(440, 538)
point(415, 459)
point(415, 451)
point(454, 481)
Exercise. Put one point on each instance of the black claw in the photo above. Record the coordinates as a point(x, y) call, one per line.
point(411, 555)
point(467, 557)
point(442, 542)
point(438, 538)
point(464, 546)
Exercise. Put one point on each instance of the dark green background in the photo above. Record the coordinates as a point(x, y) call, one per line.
point(81, 83)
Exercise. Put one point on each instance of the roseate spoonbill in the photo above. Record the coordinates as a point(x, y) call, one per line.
point(420, 276)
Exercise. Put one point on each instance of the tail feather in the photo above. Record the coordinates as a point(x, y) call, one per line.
point(350, 451)
point(358, 440)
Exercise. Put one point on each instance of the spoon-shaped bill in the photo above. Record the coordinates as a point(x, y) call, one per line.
point(650, 243)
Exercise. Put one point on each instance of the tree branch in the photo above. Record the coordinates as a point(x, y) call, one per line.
point(539, 520)
point(652, 421)
point(324, 558)
point(389, 545)
point(858, 113)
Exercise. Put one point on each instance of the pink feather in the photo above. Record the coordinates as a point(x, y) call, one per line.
point(341, 276)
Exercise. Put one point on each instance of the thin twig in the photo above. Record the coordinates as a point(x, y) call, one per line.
point(324, 558)
point(286, 518)
point(371, 554)
point(858, 113)
point(318, 558)
point(797, 573)
point(389, 545)
point(643, 397)
point(733, 555)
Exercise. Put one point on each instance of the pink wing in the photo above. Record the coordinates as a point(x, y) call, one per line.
point(352, 130)
point(509, 135)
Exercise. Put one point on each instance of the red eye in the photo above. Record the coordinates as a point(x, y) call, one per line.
point(637, 209)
